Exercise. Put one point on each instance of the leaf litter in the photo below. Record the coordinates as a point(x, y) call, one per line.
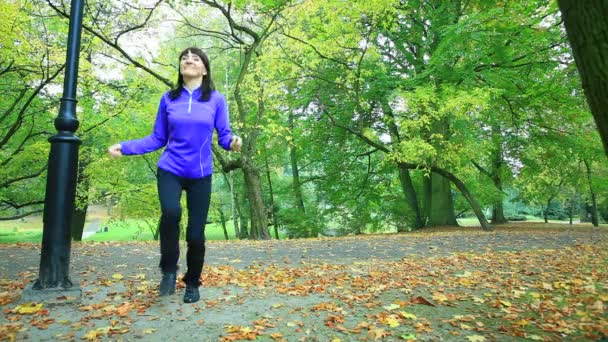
point(478, 295)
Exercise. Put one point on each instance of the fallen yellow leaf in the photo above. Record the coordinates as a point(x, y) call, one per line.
point(391, 307)
point(440, 297)
point(392, 322)
point(28, 308)
point(534, 337)
point(94, 334)
point(407, 315)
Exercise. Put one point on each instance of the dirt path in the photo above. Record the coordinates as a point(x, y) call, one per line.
point(438, 285)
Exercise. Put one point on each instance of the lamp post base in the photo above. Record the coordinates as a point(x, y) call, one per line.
point(52, 296)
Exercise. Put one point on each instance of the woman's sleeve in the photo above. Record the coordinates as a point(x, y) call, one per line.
point(222, 124)
point(154, 141)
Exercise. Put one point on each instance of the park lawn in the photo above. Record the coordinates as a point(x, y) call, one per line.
point(10, 235)
point(118, 230)
point(474, 222)
point(135, 230)
point(30, 229)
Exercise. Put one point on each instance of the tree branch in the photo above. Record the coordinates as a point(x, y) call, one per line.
point(18, 179)
point(16, 217)
point(117, 48)
point(358, 135)
point(481, 169)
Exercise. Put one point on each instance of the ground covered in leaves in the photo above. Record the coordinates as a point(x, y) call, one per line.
point(519, 282)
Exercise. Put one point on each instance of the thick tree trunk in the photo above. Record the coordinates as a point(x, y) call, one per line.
point(498, 214)
point(440, 204)
point(79, 216)
point(587, 29)
point(441, 209)
point(293, 156)
point(258, 216)
point(594, 214)
point(244, 227)
point(467, 195)
point(410, 195)
point(275, 222)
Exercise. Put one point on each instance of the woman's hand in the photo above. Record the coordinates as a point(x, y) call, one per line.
point(115, 151)
point(235, 144)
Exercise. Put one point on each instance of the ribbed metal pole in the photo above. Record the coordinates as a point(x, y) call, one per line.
point(62, 172)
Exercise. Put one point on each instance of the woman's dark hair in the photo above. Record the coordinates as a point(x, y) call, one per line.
point(207, 86)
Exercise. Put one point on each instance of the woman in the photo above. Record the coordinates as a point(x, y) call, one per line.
point(184, 124)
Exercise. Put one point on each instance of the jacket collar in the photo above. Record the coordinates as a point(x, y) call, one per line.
point(195, 91)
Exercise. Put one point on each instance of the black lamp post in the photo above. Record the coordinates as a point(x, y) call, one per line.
point(62, 171)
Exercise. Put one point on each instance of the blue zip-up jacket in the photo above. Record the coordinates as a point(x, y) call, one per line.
point(185, 125)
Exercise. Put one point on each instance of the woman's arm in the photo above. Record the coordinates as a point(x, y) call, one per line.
point(154, 141)
point(222, 124)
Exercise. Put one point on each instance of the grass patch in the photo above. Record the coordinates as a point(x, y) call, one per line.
point(30, 228)
point(138, 230)
point(118, 230)
point(20, 235)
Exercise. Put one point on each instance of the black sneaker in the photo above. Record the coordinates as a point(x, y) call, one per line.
point(167, 284)
point(192, 295)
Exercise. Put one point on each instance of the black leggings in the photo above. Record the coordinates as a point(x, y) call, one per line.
point(198, 194)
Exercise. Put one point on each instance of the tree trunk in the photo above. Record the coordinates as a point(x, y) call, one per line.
point(79, 216)
point(546, 213)
point(587, 29)
point(234, 203)
point(594, 215)
point(357, 229)
point(467, 195)
point(410, 195)
point(275, 222)
point(426, 186)
point(81, 206)
point(404, 173)
point(244, 227)
point(258, 216)
point(498, 214)
point(293, 156)
point(571, 209)
point(440, 205)
point(223, 221)
point(441, 210)
point(582, 208)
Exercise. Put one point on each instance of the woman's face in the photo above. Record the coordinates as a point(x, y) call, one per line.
point(191, 65)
